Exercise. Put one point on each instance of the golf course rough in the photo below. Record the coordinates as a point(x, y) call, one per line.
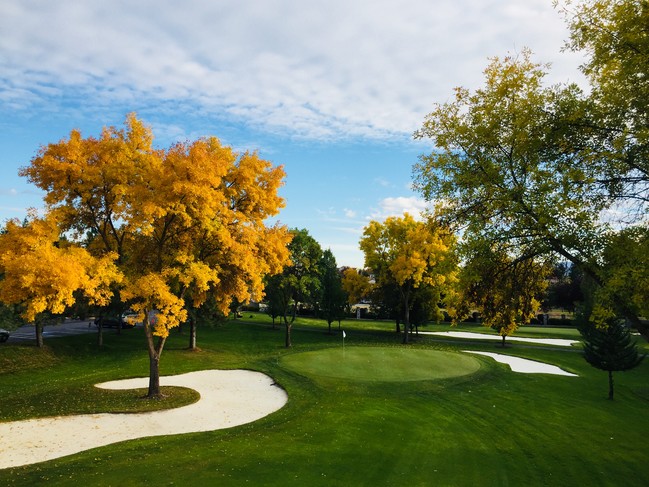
point(385, 364)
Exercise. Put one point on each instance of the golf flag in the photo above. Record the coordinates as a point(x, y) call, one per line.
point(344, 334)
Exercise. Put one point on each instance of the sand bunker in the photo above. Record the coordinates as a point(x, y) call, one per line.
point(228, 398)
point(561, 342)
point(525, 366)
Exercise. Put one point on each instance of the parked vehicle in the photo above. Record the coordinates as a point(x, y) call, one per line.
point(109, 322)
point(4, 335)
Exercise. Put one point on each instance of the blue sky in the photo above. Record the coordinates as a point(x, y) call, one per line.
point(332, 90)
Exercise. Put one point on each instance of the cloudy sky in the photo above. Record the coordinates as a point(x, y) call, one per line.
point(332, 90)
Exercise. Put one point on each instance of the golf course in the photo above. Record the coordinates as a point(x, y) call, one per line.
point(363, 410)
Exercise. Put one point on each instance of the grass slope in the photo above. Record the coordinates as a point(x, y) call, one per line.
point(492, 427)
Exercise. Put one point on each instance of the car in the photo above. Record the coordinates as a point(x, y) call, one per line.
point(109, 322)
point(4, 335)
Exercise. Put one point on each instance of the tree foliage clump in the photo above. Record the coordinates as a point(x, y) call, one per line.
point(553, 172)
point(183, 224)
point(299, 283)
point(408, 255)
point(505, 292)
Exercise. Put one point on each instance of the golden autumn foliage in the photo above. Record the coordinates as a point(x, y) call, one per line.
point(42, 272)
point(409, 253)
point(186, 222)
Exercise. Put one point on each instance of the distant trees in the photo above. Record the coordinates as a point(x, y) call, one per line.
point(182, 224)
point(409, 254)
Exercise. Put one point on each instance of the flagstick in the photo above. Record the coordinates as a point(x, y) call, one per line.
point(344, 343)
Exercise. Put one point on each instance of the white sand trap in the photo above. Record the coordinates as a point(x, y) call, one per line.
point(228, 398)
point(525, 366)
point(561, 342)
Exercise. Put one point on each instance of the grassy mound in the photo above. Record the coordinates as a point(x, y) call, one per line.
point(385, 364)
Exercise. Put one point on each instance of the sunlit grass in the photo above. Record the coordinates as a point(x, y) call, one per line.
point(493, 427)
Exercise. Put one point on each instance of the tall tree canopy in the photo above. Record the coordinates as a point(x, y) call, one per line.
point(410, 254)
point(522, 166)
point(185, 223)
point(614, 35)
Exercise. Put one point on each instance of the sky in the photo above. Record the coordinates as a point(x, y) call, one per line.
point(332, 90)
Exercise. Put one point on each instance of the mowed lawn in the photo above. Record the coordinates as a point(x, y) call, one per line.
point(345, 426)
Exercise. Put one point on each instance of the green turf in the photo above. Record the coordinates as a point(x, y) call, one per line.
point(389, 364)
point(490, 428)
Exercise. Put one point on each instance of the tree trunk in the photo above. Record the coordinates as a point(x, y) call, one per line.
point(192, 334)
point(406, 325)
point(288, 334)
point(154, 358)
point(100, 335)
point(503, 342)
point(610, 385)
point(39, 334)
point(329, 327)
point(398, 326)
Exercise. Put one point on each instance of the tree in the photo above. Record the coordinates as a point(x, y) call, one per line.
point(505, 291)
point(614, 35)
point(299, 282)
point(516, 168)
point(186, 222)
point(41, 272)
point(564, 287)
point(610, 348)
point(332, 295)
point(625, 276)
point(410, 254)
point(356, 284)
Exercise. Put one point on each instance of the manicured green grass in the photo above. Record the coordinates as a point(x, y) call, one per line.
point(382, 364)
point(492, 427)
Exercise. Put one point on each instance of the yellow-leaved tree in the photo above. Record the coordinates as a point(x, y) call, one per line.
point(41, 272)
point(410, 254)
point(187, 223)
point(506, 291)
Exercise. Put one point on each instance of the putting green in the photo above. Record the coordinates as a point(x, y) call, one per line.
point(382, 364)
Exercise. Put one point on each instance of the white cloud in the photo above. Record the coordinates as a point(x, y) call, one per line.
point(350, 213)
point(397, 206)
point(320, 69)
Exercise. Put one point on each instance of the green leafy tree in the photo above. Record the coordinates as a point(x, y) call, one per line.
point(299, 282)
point(515, 168)
point(614, 35)
point(625, 275)
point(332, 295)
point(610, 348)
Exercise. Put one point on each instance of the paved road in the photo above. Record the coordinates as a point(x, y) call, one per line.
point(70, 327)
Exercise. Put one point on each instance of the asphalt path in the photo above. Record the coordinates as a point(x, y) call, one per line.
point(69, 327)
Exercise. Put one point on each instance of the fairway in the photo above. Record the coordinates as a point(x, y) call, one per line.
point(386, 364)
